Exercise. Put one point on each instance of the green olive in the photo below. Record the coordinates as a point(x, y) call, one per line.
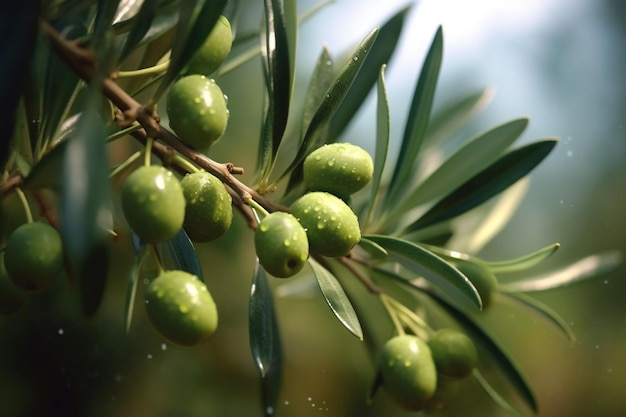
point(482, 278)
point(338, 168)
point(407, 371)
point(153, 203)
point(330, 224)
point(197, 111)
point(180, 308)
point(33, 256)
point(454, 353)
point(209, 211)
point(213, 51)
point(12, 299)
point(281, 244)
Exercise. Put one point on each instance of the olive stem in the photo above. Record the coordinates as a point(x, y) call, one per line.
point(186, 164)
point(256, 206)
point(123, 132)
point(125, 164)
point(22, 196)
point(391, 311)
point(158, 68)
point(148, 154)
point(410, 316)
point(157, 259)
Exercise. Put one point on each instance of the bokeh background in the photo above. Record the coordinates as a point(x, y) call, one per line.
point(559, 62)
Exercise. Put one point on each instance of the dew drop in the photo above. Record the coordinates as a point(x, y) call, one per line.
point(286, 242)
point(197, 100)
point(407, 364)
point(264, 227)
point(61, 331)
point(356, 58)
point(183, 308)
point(163, 346)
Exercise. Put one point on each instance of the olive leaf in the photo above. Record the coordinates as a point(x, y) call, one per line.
point(524, 262)
point(417, 119)
point(380, 54)
point(131, 287)
point(383, 123)
point(449, 119)
point(278, 51)
point(432, 268)
point(494, 179)
point(583, 269)
point(47, 172)
point(183, 254)
point(142, 23)
point(336, 299)
point(545, 311)
point(265, 341)
point(261, 321)
point(495, 395)
point(86, 207)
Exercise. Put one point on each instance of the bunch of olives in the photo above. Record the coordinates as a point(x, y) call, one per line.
point(409, 368)
point(156, 206)
point(196, 106)
point(320, 221)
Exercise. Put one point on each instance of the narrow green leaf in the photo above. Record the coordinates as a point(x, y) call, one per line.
point(276, 48)
point(539, 307)
point(131, 288)
point(524, 262)
point(334, 95)
point(105, 14)
point(381, 53)
point(47, 172)
point(583, 269)
point(261, 321)
point(495, 396)
point(195, 22)
point(431, 267)
point(184, 254)
point(337, 299)
point(417, 120)
point(477, 154)
point(503, 173)
point(321, 79)
point(373, 248)
point(142, 22)
point(446, 121)
point(383, 123)
point(503, 362)
point(85, 206)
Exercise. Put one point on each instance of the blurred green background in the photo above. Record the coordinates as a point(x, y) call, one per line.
point(558, 62)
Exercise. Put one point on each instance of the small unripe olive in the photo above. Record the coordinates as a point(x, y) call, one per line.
point(338, 168)
point(213, 51)
point(407, 371)
point(454, 353)
point(482, 278)
point(153, 203)
point(209, 211)
point(330, 224)
point(33, 256)
point(197, 111)
point(281, 244)
point(180, 308)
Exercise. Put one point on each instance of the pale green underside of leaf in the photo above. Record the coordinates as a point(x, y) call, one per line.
point(183, 254)
point(524, 262)
point(581, 270)
point(336, 299)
